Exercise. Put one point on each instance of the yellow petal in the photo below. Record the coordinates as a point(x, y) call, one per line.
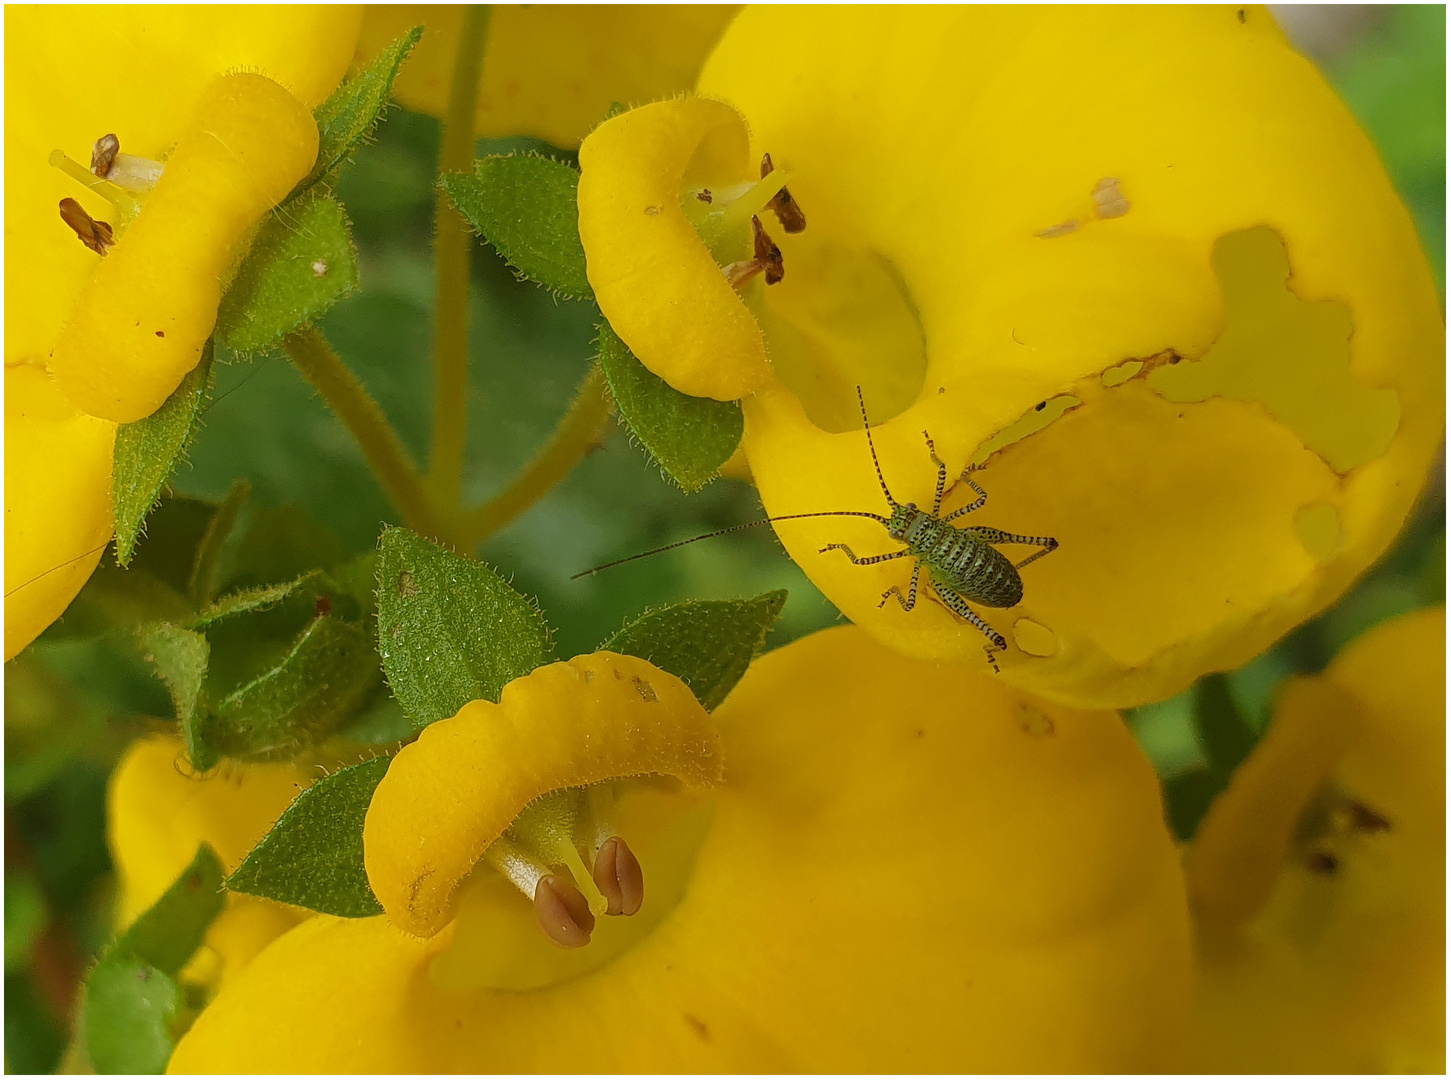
point(158, 814)
point(550, 70)
point(144, 315)
point(1343, 971)
point(75, 73)
point(910, 868)
point(1096, 247)
point(57, 502)
point(453, 792)
point(652, 274)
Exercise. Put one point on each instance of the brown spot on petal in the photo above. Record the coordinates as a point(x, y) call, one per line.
point(644, 689)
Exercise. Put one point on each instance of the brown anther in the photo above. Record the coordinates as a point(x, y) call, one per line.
point(704, 195)
point(96, 235)
point(562, 912)
point(768, 255)
point(1348, 815)
point(103, 155)
point(618, 876)
point(787, 210)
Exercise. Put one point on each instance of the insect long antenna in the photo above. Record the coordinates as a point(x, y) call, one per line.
point(722, 532)
point(873, 448)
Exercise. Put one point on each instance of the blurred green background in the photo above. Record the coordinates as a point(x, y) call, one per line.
point(72, 704)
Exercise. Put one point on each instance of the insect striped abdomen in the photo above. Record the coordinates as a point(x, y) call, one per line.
point(976, 570)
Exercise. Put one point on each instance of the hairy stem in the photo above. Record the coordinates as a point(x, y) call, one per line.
point(360, 414)
point(577, 433)
point(451, 267)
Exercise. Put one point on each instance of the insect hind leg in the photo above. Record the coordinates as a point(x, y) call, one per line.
point(867, 560)
point(997, 536)
point(958, 606)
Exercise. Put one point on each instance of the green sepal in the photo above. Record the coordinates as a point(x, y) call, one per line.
point(313, 856)
point(201, 586)
point(450, 630)
point(302, 263)
point(134, 1003)
point(181, 657)
point(525, 205)
point(707, 644)
point(148, 451)
point(689, 437)
point(350, 115)
point(324, 679)
point(261, 598)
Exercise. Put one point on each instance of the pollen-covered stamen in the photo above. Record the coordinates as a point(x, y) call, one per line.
point(96, 235)
point(787, 210)
point(767, 257)
point(128, 171)
point(618, 877)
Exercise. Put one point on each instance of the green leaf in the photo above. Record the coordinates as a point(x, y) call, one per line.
point(525, 205)
point(707, 644)
point(690, 438)
point(1225, 735)
point(349, 116)
point(329, 674)
point(148, 451)
point(180, 658)
point(301, 264)
point(313, 856)
point(133, 1000)
point(450, 630)
point(202, 585)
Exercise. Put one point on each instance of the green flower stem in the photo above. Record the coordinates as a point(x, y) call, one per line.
point(345, 395)
point(451, 244)
point(578, 432)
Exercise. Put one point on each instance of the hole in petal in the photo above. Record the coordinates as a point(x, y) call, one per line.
point(1291, 355)
point(1035, 639)
point(1031, 422)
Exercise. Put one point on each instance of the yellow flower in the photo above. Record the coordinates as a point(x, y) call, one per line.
point(157, 815)
point(57, 501)
point(1139, 262)
point(904, 867)
point(1319, 877)
point(119, 331)
point(551, 71)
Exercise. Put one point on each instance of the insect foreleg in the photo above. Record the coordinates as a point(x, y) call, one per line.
point(976, 504)
point(868, 560)
point(896, 590)
point(941, 474)
point(958, 606)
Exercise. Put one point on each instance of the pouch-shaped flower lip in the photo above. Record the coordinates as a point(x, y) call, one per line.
point(1318, 877)
point(653, 275)
point(980, 882)
point(57, 98)
point(448, 796)
point(1105, 257)
point(144, 315)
